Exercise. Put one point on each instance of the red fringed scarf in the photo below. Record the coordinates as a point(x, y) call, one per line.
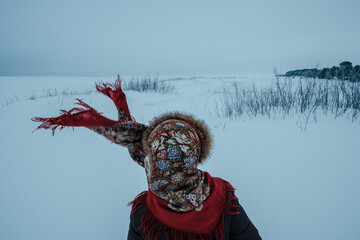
point(126, 131)
point(204, 224)
point(88, 116)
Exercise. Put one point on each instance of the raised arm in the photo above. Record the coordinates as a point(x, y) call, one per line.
point(125, 131)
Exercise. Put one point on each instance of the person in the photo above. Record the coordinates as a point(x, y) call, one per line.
point(182, 201)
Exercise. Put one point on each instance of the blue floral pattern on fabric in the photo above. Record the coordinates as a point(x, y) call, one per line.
point(190, 161)
point(163, 165)
point(174, 154)
point(157, 184)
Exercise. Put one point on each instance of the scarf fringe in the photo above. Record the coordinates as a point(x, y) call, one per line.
point(76, 117)
point(138, 202)
point(88, 116)
point(229, 207)
point(117, 95)
point(153, 228)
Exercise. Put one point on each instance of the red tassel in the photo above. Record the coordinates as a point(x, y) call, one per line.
point(115, 92)
point(229, 207)
point(138, 202)
point(85, 117)
point(88, 116)
point(153, 229)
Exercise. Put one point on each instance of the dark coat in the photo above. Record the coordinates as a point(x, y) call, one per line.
point(236, 227)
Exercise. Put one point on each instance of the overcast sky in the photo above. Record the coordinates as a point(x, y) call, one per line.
point(51, 37)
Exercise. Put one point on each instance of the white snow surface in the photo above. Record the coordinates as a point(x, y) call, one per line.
point(293, 184)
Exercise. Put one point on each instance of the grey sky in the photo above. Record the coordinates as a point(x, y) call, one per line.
point(175, 37)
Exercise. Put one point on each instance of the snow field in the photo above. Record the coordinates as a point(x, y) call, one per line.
point(293, 184)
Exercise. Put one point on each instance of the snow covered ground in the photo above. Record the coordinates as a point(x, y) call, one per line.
point(294, 184)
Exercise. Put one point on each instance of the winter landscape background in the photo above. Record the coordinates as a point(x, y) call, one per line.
point(290, 146)
point(293, 183)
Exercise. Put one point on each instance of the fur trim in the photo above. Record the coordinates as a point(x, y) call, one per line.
point(202, 128)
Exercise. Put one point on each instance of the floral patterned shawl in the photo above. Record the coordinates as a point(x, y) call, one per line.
point(171, 166)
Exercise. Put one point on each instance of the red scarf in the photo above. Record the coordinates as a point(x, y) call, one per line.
point(204, 224)
point(88, 116)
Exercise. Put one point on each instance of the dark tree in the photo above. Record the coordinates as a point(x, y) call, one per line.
point(334, 71)
point(345, 71)
point(345, 64)
point(357, 69)
point(324, 73)
point(356, 74)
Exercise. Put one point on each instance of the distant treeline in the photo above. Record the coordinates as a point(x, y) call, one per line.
point(345, 71)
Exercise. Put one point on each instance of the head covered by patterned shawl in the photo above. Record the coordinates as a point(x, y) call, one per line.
point(175, 143)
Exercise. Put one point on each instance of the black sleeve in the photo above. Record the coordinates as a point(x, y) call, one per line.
point(134, 232)
point(241, 227)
